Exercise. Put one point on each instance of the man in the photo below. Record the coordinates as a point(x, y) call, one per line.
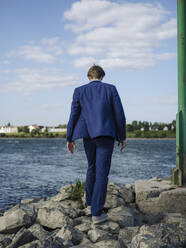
point(98, 117)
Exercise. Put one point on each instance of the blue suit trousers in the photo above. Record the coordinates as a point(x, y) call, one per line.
point(99, 153)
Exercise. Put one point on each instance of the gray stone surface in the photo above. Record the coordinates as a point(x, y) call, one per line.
point(122, 215)
point(140, 216)
point(108, 226)
point(97, 234)
point(113, 201)
point(161, 234)
point(172, 218)
point(23, 236)
point(53, 218)
point(157, 196)
point(70, 235)
point(83, 227)
point(126, 234)
point(110, 243)
point(14, 219)
point(39, 232)
point(43, 244)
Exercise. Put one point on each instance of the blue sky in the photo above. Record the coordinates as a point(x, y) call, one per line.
point(47, 47)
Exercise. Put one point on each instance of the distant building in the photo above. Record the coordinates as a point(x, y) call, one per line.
point(56, 129)
point(9, 129)
point(32, 127)
point(165, 128)
point(142, 129)
point(53, 129)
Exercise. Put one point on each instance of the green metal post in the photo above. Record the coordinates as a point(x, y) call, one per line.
point(179, 173)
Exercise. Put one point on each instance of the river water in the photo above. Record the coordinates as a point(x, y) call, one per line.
point(39, 167)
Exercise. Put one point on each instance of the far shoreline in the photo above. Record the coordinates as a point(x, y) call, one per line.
point(130, 138)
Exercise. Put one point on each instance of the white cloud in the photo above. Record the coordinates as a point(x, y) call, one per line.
point(28, 80)
point(84, 61)
point(46, 51)
point(50, 41)
point(119, 34)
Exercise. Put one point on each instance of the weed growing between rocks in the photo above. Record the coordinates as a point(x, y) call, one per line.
point(76, 191)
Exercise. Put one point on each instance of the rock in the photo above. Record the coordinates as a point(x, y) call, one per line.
point(6, 236)
point(39, 232)
point(122, 216)
point(130, 186)
point(110, 243)
point(165, 234)
point(1, 212)
point(5, 242)
point(113, 201)
point(152, 218)
point(70, 235)
point(182, 225)
point(137, 215)
point(73, 204)
point(66, 210)
point(172, 218)
point(81, 220)
point(126, 234)
point(64, 188)
point(31, 200)
point(53, 218)
point(85, 243)
point(59, 197)
point(97, 234)
point(43, 244)
point(22, 237)
point(112, 186)
point(15, 218)
point(127, 195)
point(33, 244)
point(155, 196)
point(108, 226)
point(147, 241)
point(83, 227)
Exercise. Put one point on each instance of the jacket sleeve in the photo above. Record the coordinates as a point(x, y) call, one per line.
point(74, 115)
point(119, 115)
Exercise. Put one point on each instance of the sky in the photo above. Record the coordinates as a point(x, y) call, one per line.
point(47, 47)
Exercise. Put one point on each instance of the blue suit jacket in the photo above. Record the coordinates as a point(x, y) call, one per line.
point(96, 110)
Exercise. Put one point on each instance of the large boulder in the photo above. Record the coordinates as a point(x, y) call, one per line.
point(157, 196)
point(17, 217)
point(53, 218)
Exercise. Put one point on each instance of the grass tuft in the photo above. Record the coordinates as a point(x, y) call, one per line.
point(76, 192)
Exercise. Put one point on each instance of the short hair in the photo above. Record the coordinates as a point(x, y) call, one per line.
point(96, 71)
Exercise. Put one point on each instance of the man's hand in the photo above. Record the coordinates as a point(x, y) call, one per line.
point(70, 146)
point(123, 144)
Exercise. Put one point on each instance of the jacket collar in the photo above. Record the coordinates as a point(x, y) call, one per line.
point(95, 81)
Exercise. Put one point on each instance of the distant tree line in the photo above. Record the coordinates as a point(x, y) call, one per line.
point(148, 126)
point(145, 129)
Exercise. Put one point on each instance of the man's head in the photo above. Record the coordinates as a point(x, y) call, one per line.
point(95, 72)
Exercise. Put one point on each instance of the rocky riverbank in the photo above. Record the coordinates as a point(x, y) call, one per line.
point(145, 214)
